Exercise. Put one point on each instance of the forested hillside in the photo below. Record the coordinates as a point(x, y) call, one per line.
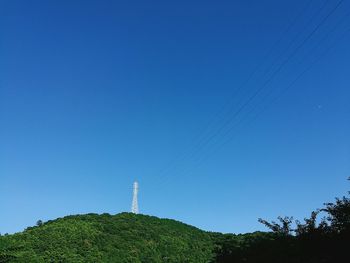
point(95, 238)
point(131, 238)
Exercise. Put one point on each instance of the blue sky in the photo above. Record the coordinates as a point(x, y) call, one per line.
point(97, 94)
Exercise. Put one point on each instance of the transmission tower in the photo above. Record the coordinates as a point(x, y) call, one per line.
point(135, 206)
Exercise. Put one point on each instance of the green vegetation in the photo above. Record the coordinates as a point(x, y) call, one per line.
point(139, 238)
point(324, 240)
point(105, 238)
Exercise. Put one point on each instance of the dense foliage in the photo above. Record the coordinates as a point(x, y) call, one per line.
point(105, 238)
point(324, 240)
point(134, 238)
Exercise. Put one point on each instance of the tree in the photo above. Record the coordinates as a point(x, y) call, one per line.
point(39, 223)
point(339, 214)
point(283, 228)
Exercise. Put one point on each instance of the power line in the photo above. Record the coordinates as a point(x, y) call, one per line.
point(283, 91)
point(265, 84)
point(258, 91)
point(228, 103)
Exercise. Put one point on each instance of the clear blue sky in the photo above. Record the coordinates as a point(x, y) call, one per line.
point(97, 94)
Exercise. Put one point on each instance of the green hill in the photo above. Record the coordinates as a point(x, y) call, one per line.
point(130, 238)
point(95, 238)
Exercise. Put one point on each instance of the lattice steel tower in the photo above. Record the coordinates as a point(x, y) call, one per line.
point(135, 205)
